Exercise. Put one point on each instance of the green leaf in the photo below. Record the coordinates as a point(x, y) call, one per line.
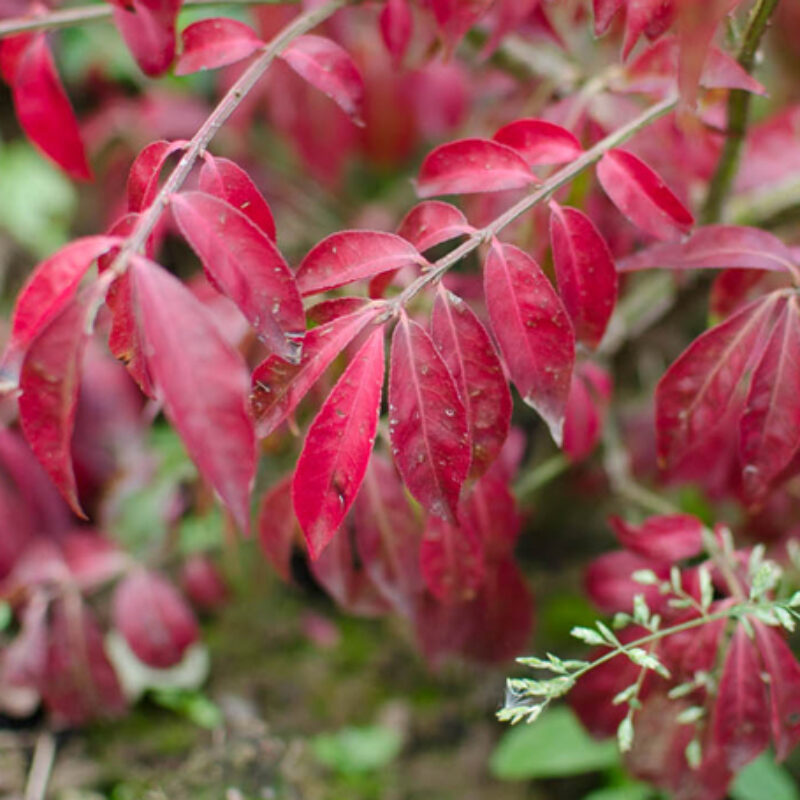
point(190, 703)
point(762, 779)
point(356, 750)
point(631, 791)
point(552, 747)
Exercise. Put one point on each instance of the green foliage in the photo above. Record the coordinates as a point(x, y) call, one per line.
point(555, 747)
point(762, 779)
point(38, 202)
point(352, 751)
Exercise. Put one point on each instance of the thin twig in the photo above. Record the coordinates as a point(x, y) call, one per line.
point(738, 115)
point(44, 756)
point(78, 15)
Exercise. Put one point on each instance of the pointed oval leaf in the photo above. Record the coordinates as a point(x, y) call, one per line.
point(642, 196)
point(217, 42)
point(468, 166)
point(41, 103)
point(338, 446)
point(491, 512)
point(278, 387)
point(587, 278)
point(49, 381)
point(769, 429)
point(533, 330)
point(245, 265)
point(148, 28)
point(466, 348)
point(427, 422)
point(228, 181)
point(145, 170)
point(589, 396)
point(201, 380)
point(51, 285)
point(708, 382)
point(451, 561)
point(277, 527)
point(350, 256)
point(328, 67)
point(716, 247)
point(388, 535)
point(433, 222)
point(539, 141)
point(668, 537)
point(396, 23)
point(328, 310)
point(154, 618)
point(741, 718)
point(783, 688)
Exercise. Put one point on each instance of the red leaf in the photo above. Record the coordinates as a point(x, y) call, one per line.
point(604, 11)
point(427, 422)
point(80, 683)
point(212, 43)
point(456, 17)
point(640, 194)
point(652, 17)
point(155, 620)
point(228, 181)
point(587, 278)
point(466, 348)
point(783, 688)
point(533, 331)
point(670, 537)
point(50, 287)
point(734, 288)
point(716, 247)
point(741, 721)
point(472, 165)
point(145, 170)
point(329, 68)
point(148, 28)
point(708, 382)
point(277, 527)
point(42, 106)
point(432, 222)
point(350, 256)
point(338, 445)
point(388, 535)
point(343, 578)
point(396, 24)
point(589, 396)
point(203, 583)
point(245, 265)
point(770, 426)
point(278, 386)
point(501, 616)
point(201, 380)
point(49, 380)
point(539, 141)
point(611, 588)
point(656, 69)
point(509, 15)
point(328, 310)
point(491, 512)
point(451, 561)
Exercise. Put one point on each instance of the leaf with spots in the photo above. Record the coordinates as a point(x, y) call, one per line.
point(533, 330)
point(338, 446)
point(466, 348)
point(585, 271)
point(244, 264)
point(451, 561)
point(469, 166)
point(427, 421)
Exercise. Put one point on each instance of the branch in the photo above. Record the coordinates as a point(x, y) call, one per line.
point(738, 115)
point(67, 17)
point(541, 193)
point(229, 103)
